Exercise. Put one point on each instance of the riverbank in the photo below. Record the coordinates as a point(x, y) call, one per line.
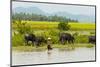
point(68, 46)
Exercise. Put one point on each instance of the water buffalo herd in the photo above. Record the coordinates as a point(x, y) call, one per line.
point(63, 38)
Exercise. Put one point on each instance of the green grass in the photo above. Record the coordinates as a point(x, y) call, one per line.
point(49, 29)
point(53, 25)
point(82, 26)
point(42, 48)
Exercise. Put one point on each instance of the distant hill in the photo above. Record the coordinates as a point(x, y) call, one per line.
point(36, 10)
point(81, 18)
point(28, 10)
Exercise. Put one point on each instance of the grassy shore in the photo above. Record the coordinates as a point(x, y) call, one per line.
point(41, 48)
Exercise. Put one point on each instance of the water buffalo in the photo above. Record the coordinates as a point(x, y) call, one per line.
point(36, 40)
point(92, 39)
point(30, 37)
point(66, 37)
point(39, 40)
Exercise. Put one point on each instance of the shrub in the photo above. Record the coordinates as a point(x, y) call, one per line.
point(17, 40)
point(81, 39)
point(92, 33)
point(63, 26)
point(54, 32)
point(23, 27)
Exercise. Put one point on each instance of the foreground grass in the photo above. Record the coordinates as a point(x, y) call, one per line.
point(53, 25)
point(42, 48)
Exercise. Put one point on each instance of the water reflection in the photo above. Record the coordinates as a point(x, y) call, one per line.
point(53, 56)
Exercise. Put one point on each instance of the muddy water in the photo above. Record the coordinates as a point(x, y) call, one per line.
point(54, 56)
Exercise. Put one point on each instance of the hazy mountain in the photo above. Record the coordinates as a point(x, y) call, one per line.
point(36, 10)
point(28, 10)
point(81, 18)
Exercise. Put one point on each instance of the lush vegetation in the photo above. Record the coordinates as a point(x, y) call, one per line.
point(80, 31)
point(49, 26)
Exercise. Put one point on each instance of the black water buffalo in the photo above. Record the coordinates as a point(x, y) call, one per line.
point(36, 40)
point(30, 37)
point(92, 39)
point(66, 37)
point(39, 40)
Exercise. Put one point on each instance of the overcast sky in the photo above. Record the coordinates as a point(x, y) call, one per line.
point(50, 8)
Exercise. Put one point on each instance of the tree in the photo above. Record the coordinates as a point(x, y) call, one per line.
point(63, 26)
point(40, 17)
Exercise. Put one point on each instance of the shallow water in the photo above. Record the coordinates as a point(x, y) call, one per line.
point(54, 56)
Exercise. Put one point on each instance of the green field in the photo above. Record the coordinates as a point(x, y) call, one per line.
point(53, 25)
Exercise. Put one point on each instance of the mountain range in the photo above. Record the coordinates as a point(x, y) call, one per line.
point(36, 10)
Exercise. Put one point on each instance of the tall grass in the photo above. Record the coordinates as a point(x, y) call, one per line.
point(18, 40)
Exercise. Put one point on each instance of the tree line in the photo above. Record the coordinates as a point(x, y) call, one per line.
point(40, 17)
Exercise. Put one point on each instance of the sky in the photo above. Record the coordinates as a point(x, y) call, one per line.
point(50, 8)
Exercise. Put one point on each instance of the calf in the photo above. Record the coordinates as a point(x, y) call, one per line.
point(39, 40)
point(30, 37)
